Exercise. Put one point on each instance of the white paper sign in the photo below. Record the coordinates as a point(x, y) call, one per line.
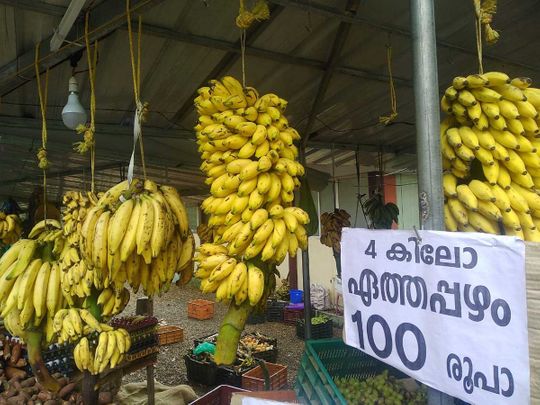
point(449, 311)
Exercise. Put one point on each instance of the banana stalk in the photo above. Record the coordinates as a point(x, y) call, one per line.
point(230, 331)
point(33, 345)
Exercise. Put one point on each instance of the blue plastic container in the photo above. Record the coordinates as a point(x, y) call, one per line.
point(297, 296)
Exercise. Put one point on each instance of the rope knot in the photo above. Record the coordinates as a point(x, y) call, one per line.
point(259, 12)
point(43, 162)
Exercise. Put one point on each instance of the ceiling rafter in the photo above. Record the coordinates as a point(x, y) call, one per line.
point(107, 17)
point(36, 6)
point(231, 47)
point(335, 13)
point(330, 67)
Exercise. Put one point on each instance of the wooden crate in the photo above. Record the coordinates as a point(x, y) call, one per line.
point(169, 334)
point(201, 309)
point(253, 380)
point(291, 315)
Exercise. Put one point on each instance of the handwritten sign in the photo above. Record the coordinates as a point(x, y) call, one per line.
point(449, 310)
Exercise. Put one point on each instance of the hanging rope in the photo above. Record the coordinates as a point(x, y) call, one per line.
point(245, 18)
point(485, 11)
point(43, 162)
point(141, 108)
point(89, 130)
point(388, 119)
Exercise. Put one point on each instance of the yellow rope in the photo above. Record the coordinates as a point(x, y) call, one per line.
point(485, 11)
point(259, 12)
point(43, 162)
point(388, 119)
point(89, 130)
point(141, 108)
point(478, 30)
point(243, 55)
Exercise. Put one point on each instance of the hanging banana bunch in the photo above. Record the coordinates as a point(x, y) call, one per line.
point(490, 143)
point(250, 162)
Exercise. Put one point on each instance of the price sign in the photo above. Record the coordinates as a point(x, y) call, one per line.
point(449, 310)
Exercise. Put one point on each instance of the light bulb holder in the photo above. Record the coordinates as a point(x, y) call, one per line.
point(73, 113)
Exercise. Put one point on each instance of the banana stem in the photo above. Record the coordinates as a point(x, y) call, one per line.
point(230, 331)
point(46, 253)
point(33, 345)
point(93, 306)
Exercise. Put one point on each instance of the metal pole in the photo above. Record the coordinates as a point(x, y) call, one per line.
point(427, 130)
point(307, 294)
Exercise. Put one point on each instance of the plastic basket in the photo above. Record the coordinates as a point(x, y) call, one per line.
point(325, 359)
point(291, 315)
point(169, 334)
point(274, 311)
point(296, 296)
point(200, 372)
point(253, 380)
point(201, 309)
point(218, 396)
point(319, 331)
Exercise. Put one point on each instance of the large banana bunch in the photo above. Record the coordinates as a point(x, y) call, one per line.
point(76, 204)
point(30, 292)
point(491, 155)
point(249, 158)
point(137, 233)
point(95, 353)
point(331, 225)
point(10, 228)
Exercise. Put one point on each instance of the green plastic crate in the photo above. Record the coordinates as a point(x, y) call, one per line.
point(326, 359)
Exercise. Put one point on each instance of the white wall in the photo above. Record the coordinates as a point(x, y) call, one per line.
point(407, 201)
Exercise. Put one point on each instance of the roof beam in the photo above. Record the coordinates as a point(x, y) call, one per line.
point(64, 173)
point(227, 62)
point(332, 12)
point(231, 47)
point(36, 6)
point(330, 67)
point(107, 17)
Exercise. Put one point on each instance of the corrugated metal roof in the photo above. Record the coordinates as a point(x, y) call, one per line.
point(184, 40)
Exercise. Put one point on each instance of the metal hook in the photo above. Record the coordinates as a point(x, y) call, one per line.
point(418, 237)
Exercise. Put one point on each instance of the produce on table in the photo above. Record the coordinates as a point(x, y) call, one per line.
point(137, 233)
point(332, 223)
point(10, 228)
point(490, 144)
point(249, 158)
point(378, 390)
point(62, 282)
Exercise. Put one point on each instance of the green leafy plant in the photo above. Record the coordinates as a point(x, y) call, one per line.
point(380, 215)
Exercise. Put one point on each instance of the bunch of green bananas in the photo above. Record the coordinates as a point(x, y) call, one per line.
point(249, 158)
point(75, 206)
point(107, 350)
point(10, 228)
point(30, 292)
point(491, 155)
point(138, 233)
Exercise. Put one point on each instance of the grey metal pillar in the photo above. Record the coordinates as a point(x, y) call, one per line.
point(426, 95)
point(307, 293)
